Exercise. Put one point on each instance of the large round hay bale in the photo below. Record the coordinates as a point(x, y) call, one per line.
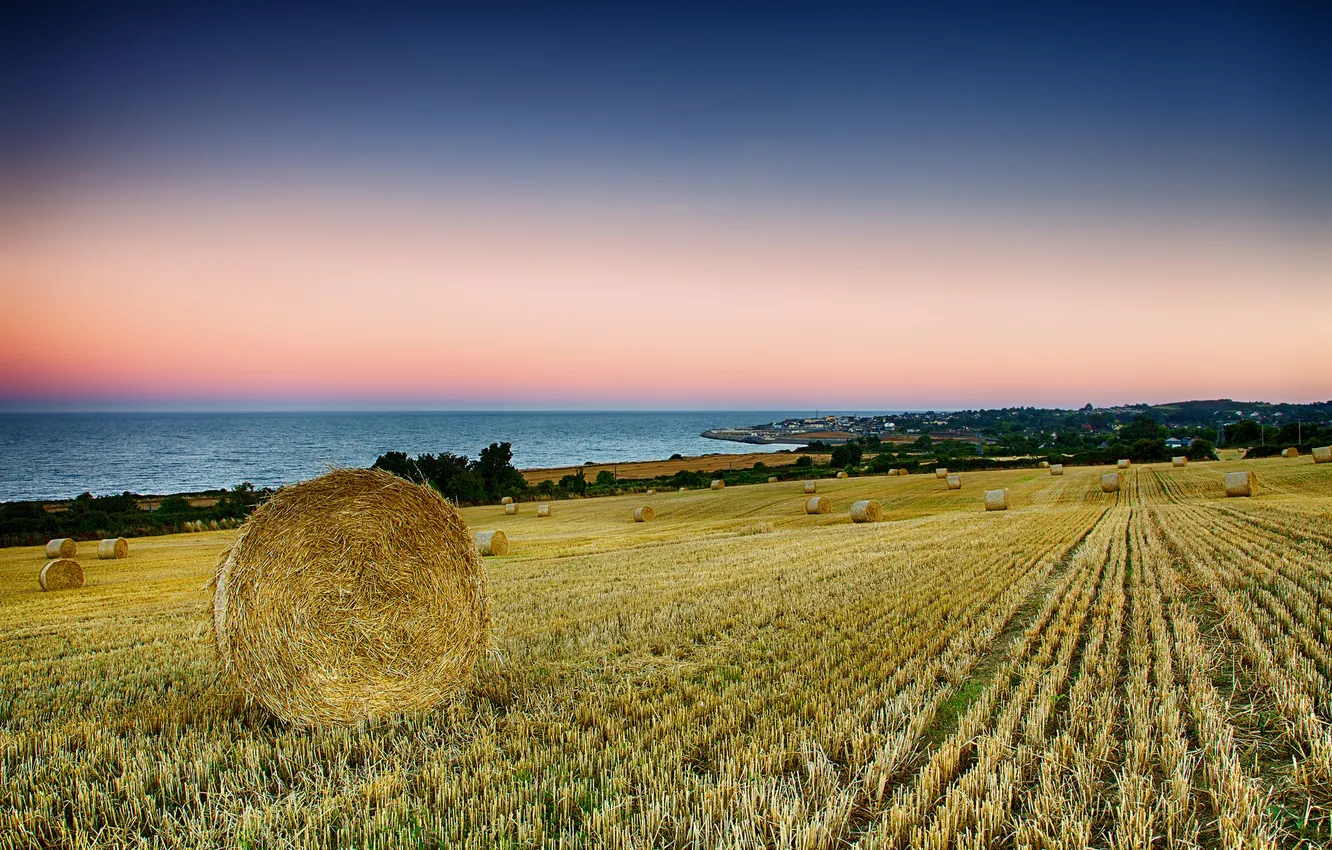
point(1179, 460)
point(1123, 463)
point(1056, 469)
point(350, 597)
point(941, 472)
point(61, 574)
point(1290, 452)
point(996, 500)
point(110, 550)
point(718, 484)
point(1239, 483)
point(1110, 482)
point(1045, 464)
point(811, 487)
point(772, 479)
point(954, 481)
point(842, 474)
point(818, 505)
point(510, 509)
point(61, 547)
point(491, 542)
point(543, 510)
point(866, 510)
point(507, 500)
point(1322, 454)
point(644, 514)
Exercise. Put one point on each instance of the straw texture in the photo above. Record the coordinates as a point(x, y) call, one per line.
point(351, 597)
point(1110, 482)
point(867, 510)
point(109, 550)
point(954, 481)
point(644, 514)
point(61, 547)
point(61, 574)
point(1239, 483)
point(996, 500)
point(491, 542)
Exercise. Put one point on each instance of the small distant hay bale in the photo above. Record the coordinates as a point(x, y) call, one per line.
point(652, 492)
point(491, 542)
point(811, 487)
point(1056, 469)
point(110, 550)
point(61, 574)
point(718, 484)
point(1290, 452)
point(543, 510)
point(507, 500)
point(866, 510)
point(1123, 463)
point(996, 500)
point(510, 509)
point(954, 481)
point(1110, 482)
point(1239, 483)
point(904, 471)
point(61, 547)
point(349, 598)
point(842, 474)
point(644, 514)
point(684, 489)
point(1179, 460)
point(941, 472)
point(772, 479)
point(1322, 454)
point(1045, 464)
point(818, 505)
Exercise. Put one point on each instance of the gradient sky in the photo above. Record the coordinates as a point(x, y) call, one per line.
point(599, 209)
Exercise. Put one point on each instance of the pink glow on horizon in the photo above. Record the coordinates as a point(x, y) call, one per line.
point(198, 296)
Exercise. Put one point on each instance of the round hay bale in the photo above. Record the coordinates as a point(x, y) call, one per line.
point(941, 472)
point(866, 510)
point(507, 500)
point(818, 505)
point(510, 509)
point(110, 550)
point(491, 542)
point(772, 479)
point(1056, 469)
point(1110, 482)
point(350, 597)
point(1239, 483)
point(1290, 452)
point(61, 547)
point(718, 484)
point(1123, 463)
point(684, 489)
point(1045, 464)
point(904, 471)
point(996, 500)
point(652, 492)
point(954, 481)
point(61, 574)
point(1322, 454)
point(644, 514)
point(1179, 460)
point(543, 510)
point(810, 487)
point(842, 474)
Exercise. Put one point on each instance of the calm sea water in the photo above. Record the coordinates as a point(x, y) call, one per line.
point(59, 455)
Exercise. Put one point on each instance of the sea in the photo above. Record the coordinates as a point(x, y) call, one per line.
point(60, 455)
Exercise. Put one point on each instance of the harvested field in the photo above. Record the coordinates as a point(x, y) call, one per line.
point(655, 468)
point(1146, 668)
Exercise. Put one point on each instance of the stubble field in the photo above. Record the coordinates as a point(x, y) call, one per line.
point(1146, 669)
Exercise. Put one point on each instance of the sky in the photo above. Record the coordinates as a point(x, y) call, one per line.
point(593, 208)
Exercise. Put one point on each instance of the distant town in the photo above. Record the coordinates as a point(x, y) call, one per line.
point(1184, 421)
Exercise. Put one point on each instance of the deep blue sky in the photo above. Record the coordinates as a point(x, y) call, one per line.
point(1189, 104)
